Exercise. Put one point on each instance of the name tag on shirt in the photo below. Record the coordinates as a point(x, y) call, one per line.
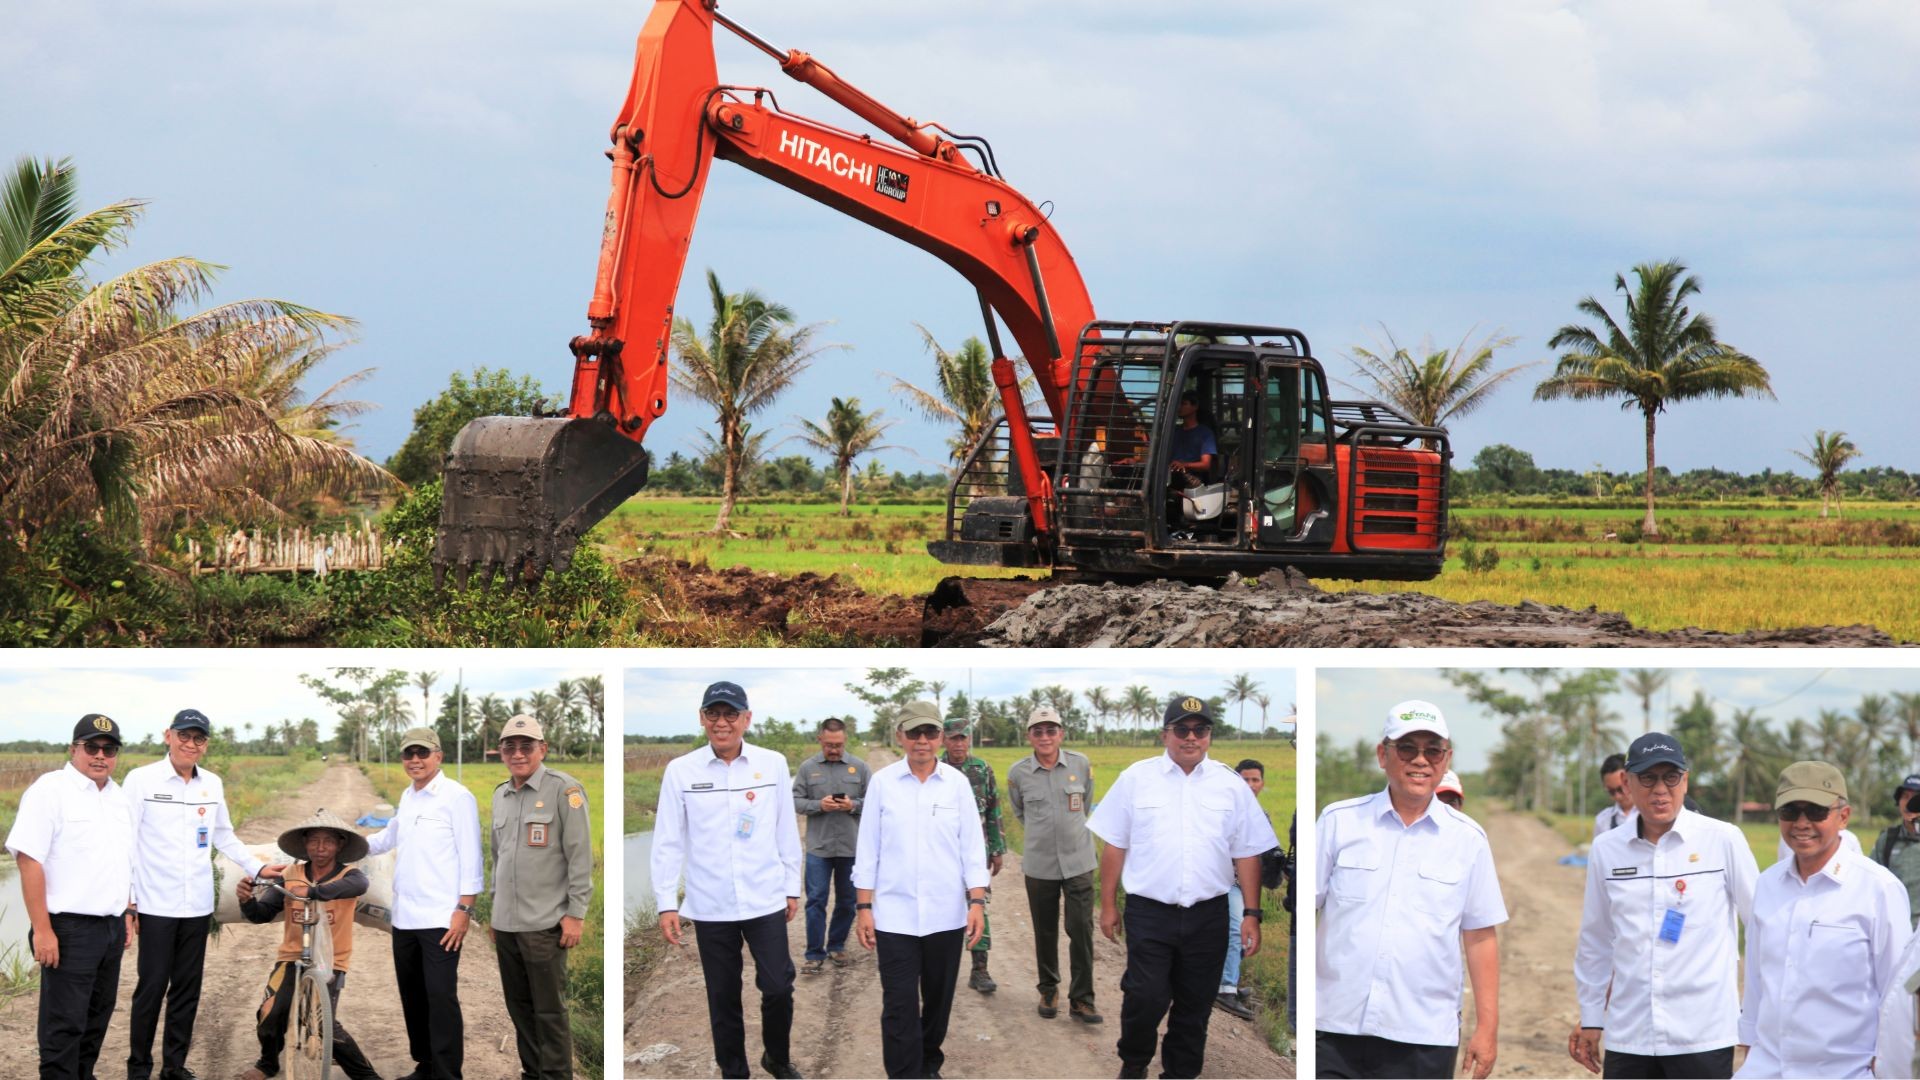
point(536, 834)
point(743, 826)
point(1671, 926)
point(1076, 802)
point(200, 837)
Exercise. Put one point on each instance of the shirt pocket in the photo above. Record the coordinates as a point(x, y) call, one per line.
point(1440, 888)
point(1837, 952)
point(537, 829)
point(1153, 818)
point(1356, 873)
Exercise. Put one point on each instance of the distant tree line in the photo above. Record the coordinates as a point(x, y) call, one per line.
point(1505, 470)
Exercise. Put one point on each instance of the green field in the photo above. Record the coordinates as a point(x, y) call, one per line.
point(1722, 566)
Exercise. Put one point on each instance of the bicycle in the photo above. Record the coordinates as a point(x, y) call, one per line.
point(309, 1048)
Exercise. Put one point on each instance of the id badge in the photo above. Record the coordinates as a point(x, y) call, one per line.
point(536, 834)
point(1671, 926)
point(200, 838)
point(743, 826)
point(1076, 802)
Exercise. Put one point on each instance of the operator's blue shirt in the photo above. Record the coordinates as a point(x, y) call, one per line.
point(1190, 443)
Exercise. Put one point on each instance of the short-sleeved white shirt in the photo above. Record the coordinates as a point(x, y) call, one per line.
point(1181, 830)
point(1612, 817)
point(82, 834)
point(1659, 997)
point(436, 831)
point(1392, 900)
point(920, 849)
point(178, 822)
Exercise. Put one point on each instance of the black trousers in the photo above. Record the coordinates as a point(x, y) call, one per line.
point(429, 978)
point(1174, 957)
point(1369, 1055)
point(276, 1010)
point(533, 979)
point(76, 998)
point(171, 954)
point(722, 965)
point(1705, 1065)
point(918, 978)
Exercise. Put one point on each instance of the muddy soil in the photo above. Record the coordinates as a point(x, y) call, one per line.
point(836, 1028)
point(239, 958)
point(1279, 609)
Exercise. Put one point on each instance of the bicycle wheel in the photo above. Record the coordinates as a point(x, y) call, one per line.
point(309, 1053)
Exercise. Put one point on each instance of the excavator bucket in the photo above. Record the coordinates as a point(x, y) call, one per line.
point(520, 492)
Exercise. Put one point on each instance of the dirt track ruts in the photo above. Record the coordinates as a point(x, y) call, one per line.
point(236, 971)
point(836, 1028)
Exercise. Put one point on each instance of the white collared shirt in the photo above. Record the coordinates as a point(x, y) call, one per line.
point(1667, 997)
point(1848, 842)
point(1181, 830)
point(82, 835)
point(731, 826)
point(920, 849)
point(1612, 817)
point(177, 824)
point(1821, 956)
point(1894, 1047)
point(436, 831)
point(1392, 900)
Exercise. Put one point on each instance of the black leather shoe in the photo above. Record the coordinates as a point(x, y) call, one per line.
point(779, 1072)
point(181, 1073)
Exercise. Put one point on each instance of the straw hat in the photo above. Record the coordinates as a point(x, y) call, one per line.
point(353, 846)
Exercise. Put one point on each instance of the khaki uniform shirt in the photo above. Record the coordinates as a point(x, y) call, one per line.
point(1053, 804)
point(830, 833)
point(542, 852)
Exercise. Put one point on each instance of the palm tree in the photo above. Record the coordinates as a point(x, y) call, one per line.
point(425, 680)
point(1102, 704)
point(964, 395)
point(1830, 454)
point(1750, 761)
point(1644, 683)
point(1438, 384)
point(248, 728)
point(847, 434)
point(751, 355)
point(115, 406)
point(1661, 356)
point(1907, 705)
point(1240, 690)
point(1140, 705)
point(1874, 717)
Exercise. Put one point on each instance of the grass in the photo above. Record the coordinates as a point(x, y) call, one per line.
point(586, 962)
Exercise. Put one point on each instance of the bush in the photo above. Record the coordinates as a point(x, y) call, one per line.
point(72, 585)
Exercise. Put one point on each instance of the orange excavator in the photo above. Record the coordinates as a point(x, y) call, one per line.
point(1157, 448)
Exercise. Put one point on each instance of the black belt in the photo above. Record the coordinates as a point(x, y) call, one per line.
point(72, 915)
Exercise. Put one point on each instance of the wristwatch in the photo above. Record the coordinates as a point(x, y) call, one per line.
point(863, 907)
point(981, 900)
point(468, 908)
point(1256, 914)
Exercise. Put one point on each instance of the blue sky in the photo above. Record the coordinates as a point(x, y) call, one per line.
point(434, 170)
point(666, 702)
point(1352, 703)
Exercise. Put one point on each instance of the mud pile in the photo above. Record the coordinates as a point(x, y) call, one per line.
point(1286, 610)
point(708, 606)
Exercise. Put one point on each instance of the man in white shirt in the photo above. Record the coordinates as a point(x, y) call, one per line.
point(726, 817)
point(1620, 807)
point(920, 875)
point(1182, 830)
point(1404, 883)
point(1658, 965)
point(73, 840)
point(436, 874)
point(1826, 936)
point(179, 813)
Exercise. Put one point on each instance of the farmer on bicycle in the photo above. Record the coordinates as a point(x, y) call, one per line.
point(323, 846)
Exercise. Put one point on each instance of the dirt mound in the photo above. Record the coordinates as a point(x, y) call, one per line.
point(700, 603)
point(1286, 610)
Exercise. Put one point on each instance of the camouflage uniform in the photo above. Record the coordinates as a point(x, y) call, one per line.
point(986, 798)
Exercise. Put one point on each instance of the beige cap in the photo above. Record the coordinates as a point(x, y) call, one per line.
point(420, 736)
point(523, 726)
point(916, 714)
point(1810, 781)
point(1044, 714)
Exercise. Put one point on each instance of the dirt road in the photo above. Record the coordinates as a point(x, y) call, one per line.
point(837, 1013)
point(240, 956)
point(1538, 1006)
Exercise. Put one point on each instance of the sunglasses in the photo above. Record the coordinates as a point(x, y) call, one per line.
point(1044, 730)
point(101, 749)
point(1913, 805)
point(1794, 811)
point(1410, 751)
point(1614, 792)
point(1191, 731)
point(413, 752)
point(1668, 780)
point(923, 734)
point(516, 748)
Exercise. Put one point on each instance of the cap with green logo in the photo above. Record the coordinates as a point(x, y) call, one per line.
point(1415, 715)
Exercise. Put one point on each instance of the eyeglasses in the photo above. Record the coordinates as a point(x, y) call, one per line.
point(1411, 751)
point(198, 738)
point(1615, 792)
point(720, 715)
point(413, 752)
point(1669, 780)
point(1044, 731)
point(1191, 731)
point(1794, 811)
point(516, 748)
point(101, 749)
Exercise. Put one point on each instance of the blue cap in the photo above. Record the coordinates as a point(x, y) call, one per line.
point(187, 719)
point(725, 693)
point(1911, 783)
point(1655, 748)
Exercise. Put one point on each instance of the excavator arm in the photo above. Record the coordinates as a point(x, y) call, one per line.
point(521, 491)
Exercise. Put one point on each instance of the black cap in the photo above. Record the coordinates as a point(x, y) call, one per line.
point(725, 693)
point(1184, 707)
point(188, 719)
point(95, 726)
point(1911, 783)
point(1655, 748)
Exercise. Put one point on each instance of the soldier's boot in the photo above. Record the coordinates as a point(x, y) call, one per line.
point(980, 980)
